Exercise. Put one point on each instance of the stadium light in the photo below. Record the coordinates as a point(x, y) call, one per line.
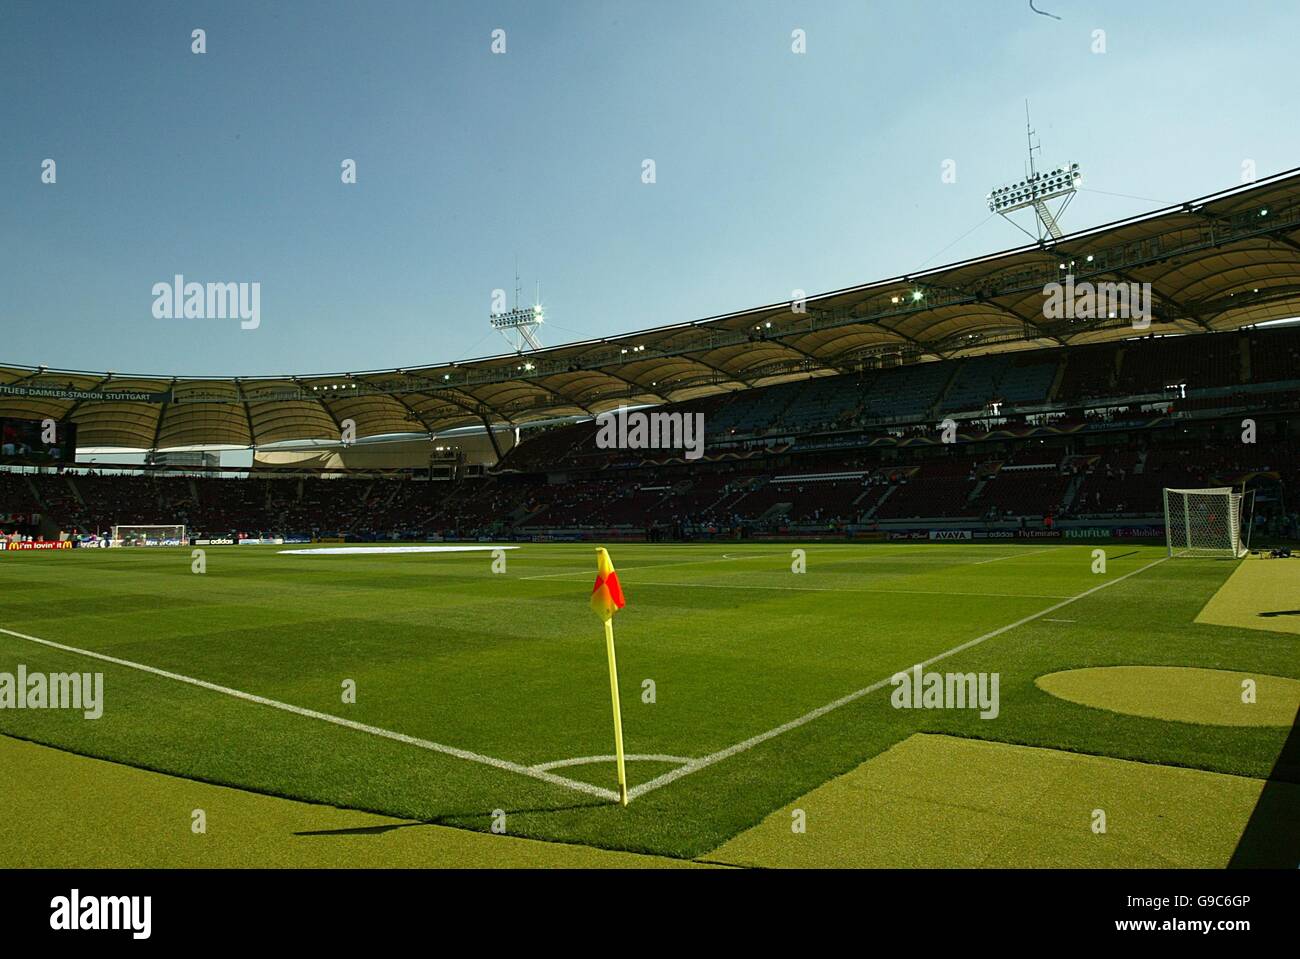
point(1036, 189)
point(514, 319)
point(520, 325)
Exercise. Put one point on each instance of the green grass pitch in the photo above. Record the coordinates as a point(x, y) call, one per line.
point(510, 667)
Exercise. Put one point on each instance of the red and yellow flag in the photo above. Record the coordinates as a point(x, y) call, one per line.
point(607, 594)
point(606, 600)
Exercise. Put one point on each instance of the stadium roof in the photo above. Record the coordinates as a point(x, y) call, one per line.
point(1216, 263)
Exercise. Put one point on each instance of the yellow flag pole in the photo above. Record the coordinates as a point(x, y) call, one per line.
point(618, 711)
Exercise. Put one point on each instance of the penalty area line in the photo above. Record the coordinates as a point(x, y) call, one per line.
point(695, 765)
point(998, 559)
point(502, 764)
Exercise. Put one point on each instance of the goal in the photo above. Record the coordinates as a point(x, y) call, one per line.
point(148, 536)
point(1208, 522)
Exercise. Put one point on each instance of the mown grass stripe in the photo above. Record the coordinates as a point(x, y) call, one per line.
point(503, 764)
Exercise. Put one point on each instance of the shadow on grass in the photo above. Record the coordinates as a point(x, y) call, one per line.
point(450, 819)
point(1282, 612)
point(1271, 840)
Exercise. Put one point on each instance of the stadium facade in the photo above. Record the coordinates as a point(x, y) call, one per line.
point(1052, 388)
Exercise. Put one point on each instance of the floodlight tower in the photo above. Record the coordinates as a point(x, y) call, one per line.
point(1035, 189)
point(520, 325)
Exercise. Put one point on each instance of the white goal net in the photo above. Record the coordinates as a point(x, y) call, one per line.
point(149, 536)
point(1207, 522)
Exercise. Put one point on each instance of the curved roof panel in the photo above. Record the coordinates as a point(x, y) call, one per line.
point(1217, 263)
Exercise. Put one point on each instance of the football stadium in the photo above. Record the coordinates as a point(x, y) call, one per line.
point(978, 565)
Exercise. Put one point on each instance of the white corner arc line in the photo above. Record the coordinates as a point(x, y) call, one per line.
point(592, 760)
point(704, 761)
point(503, 764)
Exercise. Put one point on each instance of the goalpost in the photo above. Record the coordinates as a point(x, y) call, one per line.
point(148, 536)
point(1208, 522)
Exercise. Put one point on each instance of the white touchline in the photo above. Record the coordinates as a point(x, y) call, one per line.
point(847, 589)
point(504, 764)
point(913, 554)
point(695, 765)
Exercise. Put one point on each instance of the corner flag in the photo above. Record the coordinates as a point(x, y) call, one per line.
point(607, 594)
point(606, 600)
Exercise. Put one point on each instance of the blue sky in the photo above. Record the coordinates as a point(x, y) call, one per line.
point(775, 171)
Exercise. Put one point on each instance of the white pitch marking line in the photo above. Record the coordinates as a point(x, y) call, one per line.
point(913, 554)
point(850, 589)
point(386, 550)
point(1060, 620)
point(626, 569)
point(592, 760)
point(996, 559)
point(504, 764)
point(695, 765)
